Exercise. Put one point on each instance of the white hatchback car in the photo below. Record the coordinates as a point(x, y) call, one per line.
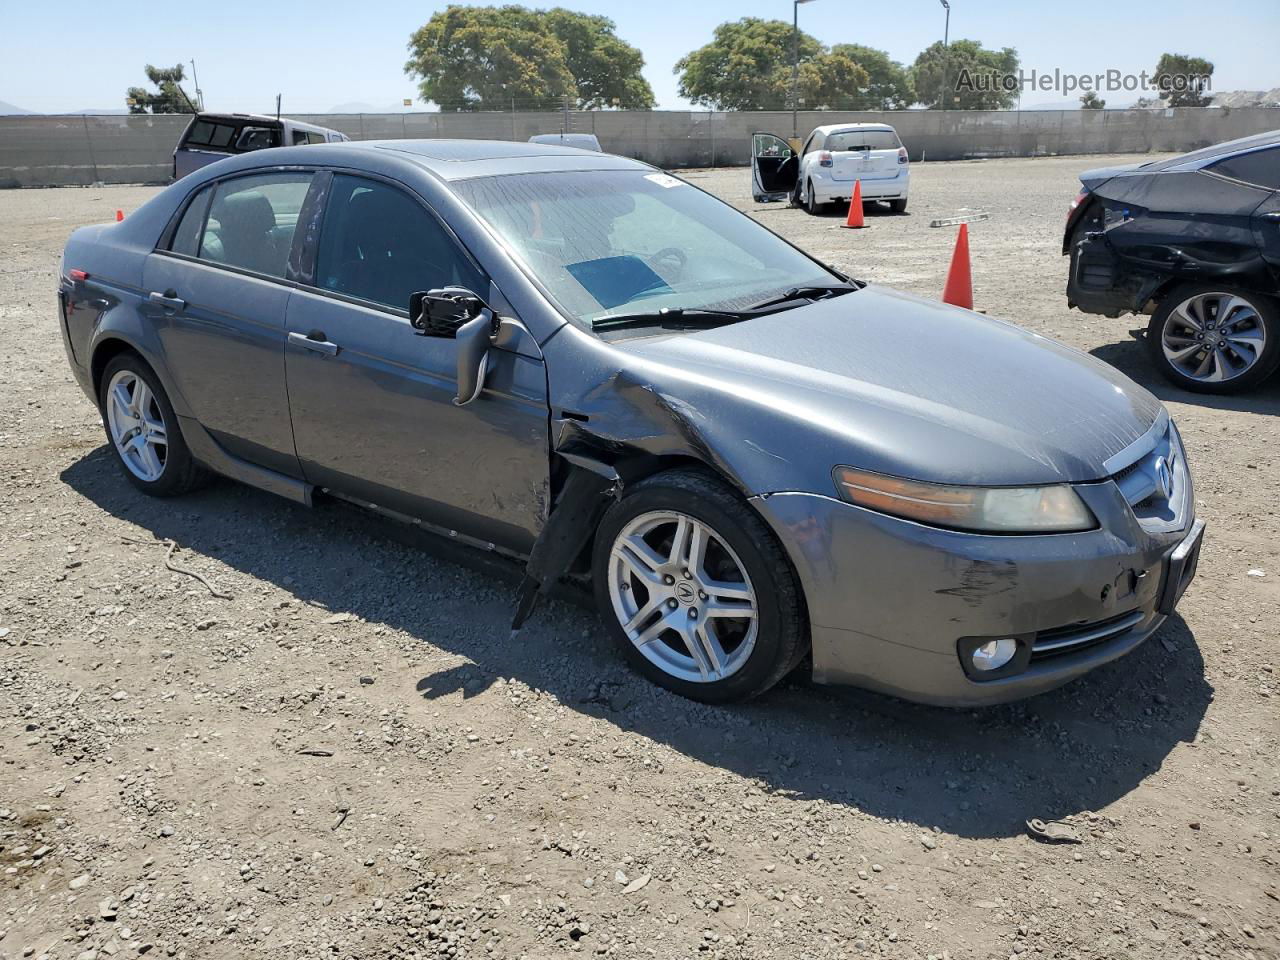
point(832, 159)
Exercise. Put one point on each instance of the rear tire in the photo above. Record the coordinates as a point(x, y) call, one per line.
point(143, 430)
point(675, 617)
point(811, 204)
point(898, 206)
point(1210, 338)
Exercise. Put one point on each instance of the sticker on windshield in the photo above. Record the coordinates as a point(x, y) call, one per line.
point(663, 180)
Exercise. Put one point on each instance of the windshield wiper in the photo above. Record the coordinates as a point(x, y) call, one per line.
point(802, 293)
point(671, 317)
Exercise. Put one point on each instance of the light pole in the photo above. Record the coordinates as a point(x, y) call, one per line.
point(946, 48)
point(795, 60)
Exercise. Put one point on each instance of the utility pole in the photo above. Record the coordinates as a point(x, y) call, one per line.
point(946, 50)
point(795, 61)
point(196, 81)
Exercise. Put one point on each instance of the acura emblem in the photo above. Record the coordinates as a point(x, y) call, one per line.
point(1164, 478)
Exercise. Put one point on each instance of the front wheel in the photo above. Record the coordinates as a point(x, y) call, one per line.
point(1211, 339)
point(898, 206)
point(696, 590)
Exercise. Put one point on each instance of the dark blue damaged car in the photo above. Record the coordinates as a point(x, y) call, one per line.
point(601, 372)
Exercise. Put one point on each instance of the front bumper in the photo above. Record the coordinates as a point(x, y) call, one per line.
point(890, 600)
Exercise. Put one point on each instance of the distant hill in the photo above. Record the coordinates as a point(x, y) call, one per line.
point(1248, 98)
point(10, 110)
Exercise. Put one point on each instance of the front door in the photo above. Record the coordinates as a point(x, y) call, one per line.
point(372, 402)
point(775, 168)
point(217, 299)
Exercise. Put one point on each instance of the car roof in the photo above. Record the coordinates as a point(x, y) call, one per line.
point(464, 159)
point(842, 127)
point(1202, 156)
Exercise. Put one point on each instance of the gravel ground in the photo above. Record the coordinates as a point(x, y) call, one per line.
point(351, 759)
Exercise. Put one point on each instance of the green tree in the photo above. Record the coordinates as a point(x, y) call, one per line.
point(1183, 80)
point(1091, 101)
point(483, 58)
point(170, 98)
point(831, 81)
point(972, 75)
point(888, 85)
point(746, 66)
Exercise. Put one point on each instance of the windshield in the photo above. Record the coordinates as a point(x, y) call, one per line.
point(609, 243)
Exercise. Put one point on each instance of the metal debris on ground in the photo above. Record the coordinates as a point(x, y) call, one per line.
point(1053, 831)
point(963, 218)
point(170, 565)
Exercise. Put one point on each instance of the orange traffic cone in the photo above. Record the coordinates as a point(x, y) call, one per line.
point(959, 288)
point(855, 207)
point(119, 215)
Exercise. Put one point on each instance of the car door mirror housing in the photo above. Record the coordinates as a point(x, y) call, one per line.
point(443, 312)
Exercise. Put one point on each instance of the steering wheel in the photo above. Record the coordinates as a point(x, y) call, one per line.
point(673, 256)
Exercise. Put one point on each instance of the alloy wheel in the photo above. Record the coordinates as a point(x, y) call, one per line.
point(682, 596)
point(1213, 337)
point(137, 426)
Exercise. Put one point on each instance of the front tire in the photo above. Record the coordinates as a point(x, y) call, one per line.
point(696, 590)
point(143, 431)
point(898, 206)
point(1215, 339)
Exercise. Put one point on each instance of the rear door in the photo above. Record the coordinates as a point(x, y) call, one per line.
point(217, 295)
point(774, 167)
point(863, 154)
point(372, 401)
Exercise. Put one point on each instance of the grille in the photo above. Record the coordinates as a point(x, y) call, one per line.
point(1081, 636)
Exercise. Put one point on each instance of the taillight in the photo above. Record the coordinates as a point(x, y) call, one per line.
point(824, 158)
point(77, 276)
point(1081, 197)
point(902, 154)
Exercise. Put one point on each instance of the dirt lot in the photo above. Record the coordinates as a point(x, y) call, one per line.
point(352, 759)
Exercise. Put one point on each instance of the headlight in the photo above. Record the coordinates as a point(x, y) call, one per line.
point(1053, 509)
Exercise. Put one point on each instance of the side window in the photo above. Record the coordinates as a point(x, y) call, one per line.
point(251, 221)
point(1262, 168)
point(257, 138)
point(315, 138)
point(299, 137)
point(186, 239)
point(380, 244)
point(810, 145)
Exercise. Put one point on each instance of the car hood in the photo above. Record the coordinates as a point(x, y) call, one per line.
point(891, 382)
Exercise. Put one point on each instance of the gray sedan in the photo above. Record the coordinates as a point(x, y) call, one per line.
point(603, 373)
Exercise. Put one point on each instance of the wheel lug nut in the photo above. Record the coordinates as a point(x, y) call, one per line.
point(685, 574)
point(693, 614)
point(702, 595)
point(668, 579)
point(671, 603)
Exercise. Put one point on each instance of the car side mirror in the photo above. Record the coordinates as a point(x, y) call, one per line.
point(458, 314)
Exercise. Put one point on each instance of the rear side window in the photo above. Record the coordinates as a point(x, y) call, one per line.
point(251, 222)
point(257, 138)
point(378, 243)
point(863, 140)
point(1261, 168)
point(207, 133)
point(186, 239)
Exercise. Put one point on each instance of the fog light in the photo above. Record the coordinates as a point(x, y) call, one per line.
point(994, 654)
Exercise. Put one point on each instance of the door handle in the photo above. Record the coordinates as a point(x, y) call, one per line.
point(315, 340)
point(169, 300)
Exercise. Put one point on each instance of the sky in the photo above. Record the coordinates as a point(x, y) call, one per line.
point(324, 53)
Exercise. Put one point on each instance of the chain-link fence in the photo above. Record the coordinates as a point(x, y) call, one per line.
point(77, 150)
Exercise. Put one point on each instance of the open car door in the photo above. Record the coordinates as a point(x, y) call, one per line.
point(775, 167)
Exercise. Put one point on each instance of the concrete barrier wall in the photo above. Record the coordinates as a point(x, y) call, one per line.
point(66, 150)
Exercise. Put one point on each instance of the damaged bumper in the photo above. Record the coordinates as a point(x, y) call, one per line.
point(895, 606)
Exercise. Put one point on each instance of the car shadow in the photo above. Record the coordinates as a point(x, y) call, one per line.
point(1130, 358)
point(975, 773)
